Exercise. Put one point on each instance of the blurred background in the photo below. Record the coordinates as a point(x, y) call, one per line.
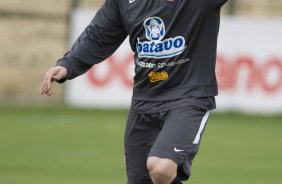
point(58, 140)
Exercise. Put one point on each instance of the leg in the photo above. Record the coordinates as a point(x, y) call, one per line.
point(140, 134)
point(162, 171)
point(177, 144)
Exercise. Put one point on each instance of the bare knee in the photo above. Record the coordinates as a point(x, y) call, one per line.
point(162, 171)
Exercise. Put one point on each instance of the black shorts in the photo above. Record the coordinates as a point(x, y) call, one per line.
point(173, 134)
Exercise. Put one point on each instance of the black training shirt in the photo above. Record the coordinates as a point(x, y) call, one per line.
point(174, 42)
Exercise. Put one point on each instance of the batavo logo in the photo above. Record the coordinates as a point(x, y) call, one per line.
point(158, 76)
point(156, 47)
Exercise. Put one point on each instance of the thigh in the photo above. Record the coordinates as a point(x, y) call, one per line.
point(180, 137)
point(140, 134)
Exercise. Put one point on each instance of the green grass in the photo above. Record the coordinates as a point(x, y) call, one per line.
point(79, 146)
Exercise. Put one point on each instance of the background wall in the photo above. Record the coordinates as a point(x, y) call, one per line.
point(34, 34)
point(63, 145)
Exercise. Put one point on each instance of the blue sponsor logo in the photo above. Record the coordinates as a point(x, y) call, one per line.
point(156, 47)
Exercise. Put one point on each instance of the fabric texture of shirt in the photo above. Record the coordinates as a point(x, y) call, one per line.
point(175, 45)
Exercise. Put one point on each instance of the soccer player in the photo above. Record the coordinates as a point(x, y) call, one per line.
point(174, 85)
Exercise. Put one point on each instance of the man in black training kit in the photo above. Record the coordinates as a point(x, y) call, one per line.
point(174, 85)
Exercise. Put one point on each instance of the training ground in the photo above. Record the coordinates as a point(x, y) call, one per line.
point(61, 145)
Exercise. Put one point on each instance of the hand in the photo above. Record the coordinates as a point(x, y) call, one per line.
point(54, 74)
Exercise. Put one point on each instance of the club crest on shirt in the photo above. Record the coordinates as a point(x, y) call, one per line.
point(155, 28)
point(156, 47)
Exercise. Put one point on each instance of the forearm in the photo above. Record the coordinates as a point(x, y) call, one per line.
point(97, 42)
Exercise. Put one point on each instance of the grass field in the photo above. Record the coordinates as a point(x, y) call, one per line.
point(76, 146)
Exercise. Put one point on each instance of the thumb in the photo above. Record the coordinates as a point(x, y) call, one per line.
point(59, 74)
point(56, 78)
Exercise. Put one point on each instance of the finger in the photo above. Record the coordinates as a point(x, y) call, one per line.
point(49, 92)
point(44, 90)
point(48, 80)
point(43, 85)
point(46, 84)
